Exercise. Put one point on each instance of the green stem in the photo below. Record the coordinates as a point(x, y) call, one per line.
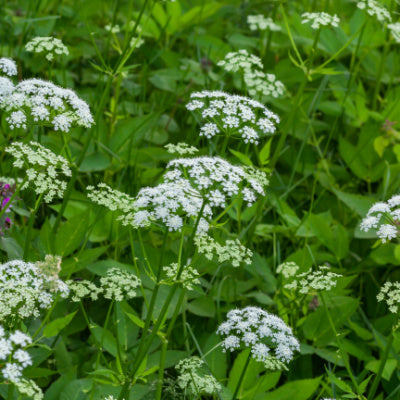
point(241, 377)
point(346, 363)
point(30, 227)
point(10, 394)
point(378, 376)
point(101, 345)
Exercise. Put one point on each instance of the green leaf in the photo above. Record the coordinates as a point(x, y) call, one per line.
point(95, 162)
point(203, 306)
point(299, 390)
point(242, 157)
point(71, 234)
point(388, 369)
point(56, 326)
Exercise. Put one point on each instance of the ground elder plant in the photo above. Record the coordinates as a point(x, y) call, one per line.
point(199, 200)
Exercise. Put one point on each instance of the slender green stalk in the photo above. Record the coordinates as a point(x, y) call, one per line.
point(234, 397)
point(103, 335)
point(30, 227)
point(10, 394)
point(346, 362)
point(378, 376)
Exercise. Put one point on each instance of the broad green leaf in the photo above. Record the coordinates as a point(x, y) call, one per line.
point(299, 390)
point(54, 327)
point(71, 234)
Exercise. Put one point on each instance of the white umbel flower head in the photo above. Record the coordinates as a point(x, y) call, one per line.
point(43, 169)
point(374, 8)
point(241, 59)
point(49, 45)
point(390, 293)
point(270, 340)
point(233, 115)
point(44, 103)
point(168, 203)
point(216, 179)
point(194, 378)
point(319, 19)
point(260, 22)
point(8, 66)
point(384, 218)
point(25, 290)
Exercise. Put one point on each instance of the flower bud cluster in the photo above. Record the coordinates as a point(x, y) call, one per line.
point(287, 269)
point(233, 115)
point(257, 82)
point(6, 192)
point(181, 149)
point(43, 169)
point(390, 293)
point(117, 285)
point(232, 251)
point(49, 45)
point(314, 281)
point(270, 340)
point(395, 31)
point(187, 278)
point(194, 379)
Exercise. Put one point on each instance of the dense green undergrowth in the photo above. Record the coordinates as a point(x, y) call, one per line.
point(116, 286)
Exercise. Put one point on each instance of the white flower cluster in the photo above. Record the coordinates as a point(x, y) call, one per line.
point(287, 269)
point(240, 60)
point(11, 350)
point(390, 293)
point(270, 340)
point(232, 251)
point(119, 285)
point(8, 66)
point(374, 8)
point(188, 276)
point(321, 280)
point(193, 378)
point(116, 285)
point(216, 179)
point(319, 19)
point(37, 101)
point(181, 149)
point(234, 115)
point(49, 45)
point(110, 397)
point(26, 289)
point(260, 22)
point(169, 203)
point(113, 28)
point(384, 217)
point(254, 77)
point(395, 31)
point(43, 169)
